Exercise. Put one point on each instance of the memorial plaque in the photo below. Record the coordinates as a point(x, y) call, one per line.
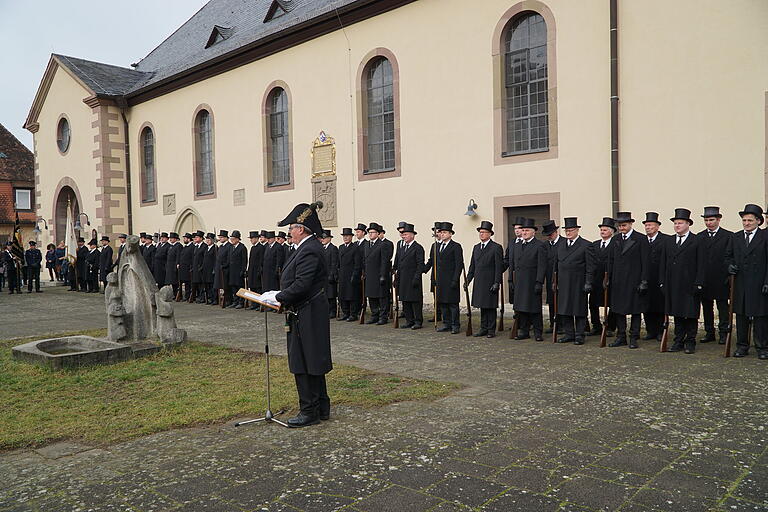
point(238, 197)
point(323, 156)
point(169, 204)
point(324, 189)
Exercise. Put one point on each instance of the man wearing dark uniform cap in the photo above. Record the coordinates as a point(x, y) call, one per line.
point(33, 259)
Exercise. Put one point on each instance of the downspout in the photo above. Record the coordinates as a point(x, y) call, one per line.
point(123, 105)
point(614, 105)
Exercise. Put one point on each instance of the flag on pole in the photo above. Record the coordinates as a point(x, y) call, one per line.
point(70, 239)
point(17, 249)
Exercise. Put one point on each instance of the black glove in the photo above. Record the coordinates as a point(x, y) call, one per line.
point(587, 287)
point(537, 288)
point(764, 291)
point(495, 287)
point(642, 288)
point(382, 280)
point(733, 269)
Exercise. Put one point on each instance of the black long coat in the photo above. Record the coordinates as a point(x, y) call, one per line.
point(255, 259)
point(627, 267)
point(682, 269)
point(599, 257)
point(302, 290)
point(377, 261)
point(209, 263)
point(450, 263)
point(221, 268)
point(350, 269)
point(274, 257)
point(551, 257)
point(716, 278)
point(186, 261)
point(92, 265)
point(530, 266)
point(485, 269)
point(574, 269)
point(161, 259)
point(105, 262)
point(656, 301)
point(410, 268)
point(82, 264)
point(509, 264)
point(149, 257)
point(172, 256)
point(197, 263)
point(238, 263)
point(331, 256)
point(752, 263)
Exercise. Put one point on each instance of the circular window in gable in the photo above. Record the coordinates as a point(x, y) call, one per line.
point(62, 135)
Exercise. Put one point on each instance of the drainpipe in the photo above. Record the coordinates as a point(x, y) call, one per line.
point(123, 105)
point(614, 105)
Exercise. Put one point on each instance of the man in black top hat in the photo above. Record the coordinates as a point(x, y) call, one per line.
point(551, 232)
point(186, 258)
point(255, 259)
point(361, 231)
point(654, 314)
point(485, 270)
point(350, 269)
point(747, 257)
point(33, 259)
point(274, 257)
point(196, 274)
point(599, 256)
point(715, 241)
point(574, 280)
point(172, 256)
point(409, 268)
point(161, 259)
point(446, 267)
point(81, 265)
point(628, 278)
point(302, 294)
point(509, 254)
point(221, 268)
point(92, 267)
point(149, 253)
point(105, 260)
point(681, 278)
point(121, 238)
point(530, 269)
point(377, 262)
point(209, 268)
point(238, 265)
point(331, 257)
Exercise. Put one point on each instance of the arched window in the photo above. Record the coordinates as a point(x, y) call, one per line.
point(380, 117)
point(148, 178)
point(62, 135)
point(279, 172)
point(204, 169)
point(526, 105)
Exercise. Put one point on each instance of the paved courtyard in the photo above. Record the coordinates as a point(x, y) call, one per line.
point(537, 427)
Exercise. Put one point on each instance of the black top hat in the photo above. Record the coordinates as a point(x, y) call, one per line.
point(105, 238)
point(210, 236)
point(624, 217)
point(253, 234)
point(122, 235)
point(142, 235)
point(306, 215)
point(346, 231)
point(199, 233)
point(262, 232)
point(652, 217)
point(571, 222)
point(518, 221)
point(281, 234)
point(682, 214)
point(269, 234)
point(188, 235)
point(172, 235)
point(361, 227)
point(549, 227)
point(224, 232)
point(235, 234)
point(401, 225)
point(754, 210)
point(373, 226)
point(608, 222)
point(81, 239)
point(32, 242)
point(327, 234)
point(165, 235)
point(712, 211)
point(408, 228)
point(436, 226)
point(446, 226)
point(486, 225)
point(92, 242)
point(529, 224)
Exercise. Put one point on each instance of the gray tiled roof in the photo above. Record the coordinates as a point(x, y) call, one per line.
point(104, 79)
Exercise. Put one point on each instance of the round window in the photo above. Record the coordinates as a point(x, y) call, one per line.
point(62, 135)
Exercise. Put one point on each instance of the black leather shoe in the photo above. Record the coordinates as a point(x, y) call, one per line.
point(303, 420)
point(372, 321)
point(649, 337)
point(443, 329)
point(454, 331)
point(618, 342)
point(539, 337)
point(415, 327)
point(676, 347)
point(382, 321)
point(740, 353)
point(762, 355)
point(596, 331)
point(324, 415)
point(523, 336)
point(578, 341)
point(342, 319)
point(565, 340)
point(633, 343)
point(710, 336)
point(480, 334)
point(406, 326)
point(352, 319)
point(690, 348)
point(490, 335)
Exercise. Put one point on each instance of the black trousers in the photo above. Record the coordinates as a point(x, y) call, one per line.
point(573, 326)
point(82, 279)
point(210, 293)
point(349, 308)
point(13, 280)
point(759, 332)
point(634, 326)
point(332, 307)
point(528, 321)
point(413, 312)
point(93, 284)
point(33, 274)
point(375, 304)
point(313, 394)
point(186, 289)
point(708, 312)
point(450, 312)
point(654, 323)
point(488, 320)
point(685, 330)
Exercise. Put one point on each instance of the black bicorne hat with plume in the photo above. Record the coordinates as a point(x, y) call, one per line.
point(306, 215)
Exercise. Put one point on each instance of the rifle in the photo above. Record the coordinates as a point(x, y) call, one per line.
point(179, 293)
point(515, 319)
point(604, 332)
point(729, 336)
point(554, 307)
point(664, 335)
point(396, 313)
point(362, 293)
point(500, 327)
point(221, 290)
point(469, 304)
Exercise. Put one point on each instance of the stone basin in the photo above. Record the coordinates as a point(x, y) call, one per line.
point(71, 352)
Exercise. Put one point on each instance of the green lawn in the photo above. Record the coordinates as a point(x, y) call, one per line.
point(196, 384)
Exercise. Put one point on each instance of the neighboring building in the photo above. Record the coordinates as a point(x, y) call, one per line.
point(17, 187)
point(539, 108)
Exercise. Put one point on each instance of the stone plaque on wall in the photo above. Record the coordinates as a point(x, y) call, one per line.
point(324, 178)
point(323, 156)
point(238, 197)
point(169, 204)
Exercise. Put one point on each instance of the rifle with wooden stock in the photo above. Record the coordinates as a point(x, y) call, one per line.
point(221, 290)
point(664, 335)
point(179, 293)
point(729, 336)
point(396, 312)
point(515, 320)
point(362, 299)
point(604, 332)
point(469, 304)
point(554, 307)
point(500, 326)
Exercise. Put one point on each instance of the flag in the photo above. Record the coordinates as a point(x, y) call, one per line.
point(17, 249)
point(69, 240)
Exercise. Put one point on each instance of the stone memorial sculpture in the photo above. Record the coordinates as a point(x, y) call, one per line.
point(166, 323)
point(115, 311)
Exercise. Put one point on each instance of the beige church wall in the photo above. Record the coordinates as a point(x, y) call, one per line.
point(694, 77)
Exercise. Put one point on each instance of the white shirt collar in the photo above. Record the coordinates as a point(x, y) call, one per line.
point(302, 241)
point(684, 237)
point(653, 238)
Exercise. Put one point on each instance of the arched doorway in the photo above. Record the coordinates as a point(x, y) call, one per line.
point(189, 221)
point(66, 198)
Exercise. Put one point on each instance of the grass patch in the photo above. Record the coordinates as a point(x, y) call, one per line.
point(196, 384)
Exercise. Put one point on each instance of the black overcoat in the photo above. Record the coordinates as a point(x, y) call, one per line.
point(350, 269)
point(530, 265)
point(92, 265)
point(682, 269)
point(450, 263)
point(197, 263)
point(161, 259)
point(209, 263)
point(509, 264)
point(221, 268)
point(627, 267)
point(485, 269)
point(255, 259)
point(410, 269)
point(551, 257)
point(82, 263)
point(186, 261)
point(574, 269)
point(599, 257)
point(238, 263)
point(302, 290)
point(752, 262)
point(270, 270)
point(105, 262)
point(331, 256)
point(716, 277)
point(656, 301)
point(172, 256)
point(149, 257)
point(377, 261)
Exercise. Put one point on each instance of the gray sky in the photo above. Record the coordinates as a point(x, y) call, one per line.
point(30, 30)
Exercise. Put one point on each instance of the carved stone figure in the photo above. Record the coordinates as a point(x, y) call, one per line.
point(115, 311)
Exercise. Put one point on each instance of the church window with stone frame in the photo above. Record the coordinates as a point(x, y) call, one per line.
point(63, 135)
point(526, 102)
point(279, 157)
point(380, 117)
point(148, 176)
point(204, 171)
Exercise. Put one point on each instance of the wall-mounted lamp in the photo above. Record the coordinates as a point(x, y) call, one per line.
point(471, 207)
point(79, 226)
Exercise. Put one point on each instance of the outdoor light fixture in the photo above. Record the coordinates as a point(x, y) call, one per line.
point(79, 226)
point(471, 207)
point(36, 231)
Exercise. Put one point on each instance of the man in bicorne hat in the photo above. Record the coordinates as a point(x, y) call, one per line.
point(599, 255)
point(302, 294)
point(409, 266)
point(747, 257)
point(530, 269)
point(574, 281)
point(331, 257)
point(377, 261)
point(551, 232)
point(238, 263)
point(716, 288)
point(350, 269)
point(654, 314)
point(485, 271)
point(447, 267)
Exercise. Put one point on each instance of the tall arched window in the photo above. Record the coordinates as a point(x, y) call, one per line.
point(380, 117)
point(204, 170)
point(279, 172)
point(526, 105)
point(148, 179)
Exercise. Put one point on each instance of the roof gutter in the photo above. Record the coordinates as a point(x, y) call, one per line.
point(614, 38)
point(123, 105)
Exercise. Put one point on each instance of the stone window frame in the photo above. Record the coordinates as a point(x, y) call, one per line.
point(499, 90)
point(362, 115)
point(31, 191)
point(267, 139)
point(195, 152)
point(64, 117)
point(140, 145)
